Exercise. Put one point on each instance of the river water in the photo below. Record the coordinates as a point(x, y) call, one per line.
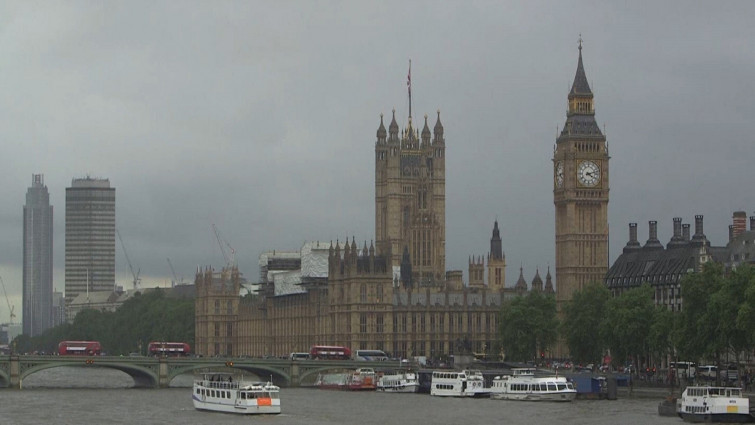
point(104, 396)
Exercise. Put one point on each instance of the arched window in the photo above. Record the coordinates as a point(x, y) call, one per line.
point(379, 295)
point(363, 293)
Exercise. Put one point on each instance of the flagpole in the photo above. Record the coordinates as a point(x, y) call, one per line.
point(409, 85)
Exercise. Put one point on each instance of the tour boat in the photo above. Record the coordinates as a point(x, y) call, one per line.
point(465, 383)
point(523, 385)
point(399, 382)
point(362, 379)
point(222, 392)
point(332, 381)
point(714, 404)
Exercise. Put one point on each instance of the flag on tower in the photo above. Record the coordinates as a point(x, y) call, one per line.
point(409, 77)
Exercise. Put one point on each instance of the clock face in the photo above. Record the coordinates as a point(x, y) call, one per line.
point(588, 173)
point(559, 177)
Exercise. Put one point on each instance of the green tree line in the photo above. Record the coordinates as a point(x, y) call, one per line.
point(717, 320)
point(149, 316)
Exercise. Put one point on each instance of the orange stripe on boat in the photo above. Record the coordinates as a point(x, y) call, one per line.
point(264, 402)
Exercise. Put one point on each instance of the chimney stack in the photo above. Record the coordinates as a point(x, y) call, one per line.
point(740, 222)
point(731, 232)
point(685, 232)
point(677, 239)
point(632, 244)
point(752, 223)
point(653, 242)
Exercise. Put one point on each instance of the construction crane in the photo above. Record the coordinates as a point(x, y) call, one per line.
point(128, 260)
point(10, 307)
point(229, 260)
point(175, 278)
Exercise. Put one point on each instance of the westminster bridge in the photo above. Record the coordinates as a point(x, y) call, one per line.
point(151, 372)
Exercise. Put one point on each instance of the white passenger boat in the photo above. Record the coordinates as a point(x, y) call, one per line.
point(523, 385)
point(464, 383)
point(222, 392)
point(400, 382)
point(714, 404)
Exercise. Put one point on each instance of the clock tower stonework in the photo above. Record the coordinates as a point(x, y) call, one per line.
point(580, 194)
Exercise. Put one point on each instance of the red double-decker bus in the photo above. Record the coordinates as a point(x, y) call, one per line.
point(158, 348)
point(79, 348)
point(329, 352)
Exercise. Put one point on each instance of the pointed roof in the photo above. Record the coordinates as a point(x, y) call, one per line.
point(537, 281)
point(438, 129)
point(381, 130)
point(521, 284)
point(393, 127)
point(549, 283)
point(580, 86)
point(496, 250)
point(426, 130)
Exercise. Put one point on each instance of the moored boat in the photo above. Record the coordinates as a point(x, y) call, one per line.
point(398, 382)
point(464, 383)
point(362, 379)
point(714, 404)
point(332, 381)
point(522, 384)
point(220, 392)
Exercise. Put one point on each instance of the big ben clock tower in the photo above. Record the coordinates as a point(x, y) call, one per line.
point(580, 194)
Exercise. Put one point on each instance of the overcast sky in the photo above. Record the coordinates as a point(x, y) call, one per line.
point(260, 117)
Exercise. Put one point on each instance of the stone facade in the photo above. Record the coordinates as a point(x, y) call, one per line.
point(393, 294)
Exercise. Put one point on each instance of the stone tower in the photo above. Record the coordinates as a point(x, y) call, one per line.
point(410, 198)
point(496, 261)
point(580, 194)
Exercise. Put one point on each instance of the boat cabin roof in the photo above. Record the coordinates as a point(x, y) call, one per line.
point(523, 371)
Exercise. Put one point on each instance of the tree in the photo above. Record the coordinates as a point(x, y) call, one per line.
point(582, 319)
point(698, 335)
point(528, 325)
point(628, 321)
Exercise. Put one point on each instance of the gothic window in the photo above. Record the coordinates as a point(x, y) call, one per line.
point(403, 323)
point(414, 323)
point(363, 293)
point(422, 323)
point(432, 322)
point(406, 218)
point(217, 329)
point(379, 290)
point(217, 306)
point(379, 325)
point(229, 329)
point(229, 307)
point(363, 323)
point(440, 322)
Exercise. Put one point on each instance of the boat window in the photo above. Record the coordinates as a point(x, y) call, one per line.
point(551, 386)
point(561, 387)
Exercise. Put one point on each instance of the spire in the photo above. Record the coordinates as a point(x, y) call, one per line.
point(548, 282)
point(393, 127)
point(409, 87)
point(381, 133)
point(521, 284)
point(426, 133)
point(496, 251)
point(580, 85)
point(537, 281)
point(438, 130)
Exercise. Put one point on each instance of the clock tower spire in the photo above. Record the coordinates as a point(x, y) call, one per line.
point(580, 193)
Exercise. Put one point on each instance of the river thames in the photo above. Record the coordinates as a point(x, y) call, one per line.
point(103, 396)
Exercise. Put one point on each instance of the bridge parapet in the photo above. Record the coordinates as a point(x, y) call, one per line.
point(150, 372)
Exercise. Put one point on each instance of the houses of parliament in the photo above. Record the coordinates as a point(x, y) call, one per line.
point(394, 293)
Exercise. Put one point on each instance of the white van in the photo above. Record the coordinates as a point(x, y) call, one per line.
point(298, 356)
point(684, 370)
point(707, 372)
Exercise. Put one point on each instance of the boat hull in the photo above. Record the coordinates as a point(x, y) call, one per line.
point(238, 408)
point(556, 396)
point(717, 418)
point(408, 388)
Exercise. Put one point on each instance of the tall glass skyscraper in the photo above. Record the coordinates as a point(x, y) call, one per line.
point(90, 237)
point(37, 274)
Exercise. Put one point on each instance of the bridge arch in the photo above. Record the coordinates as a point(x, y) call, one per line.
point(262, 371)
point(144, 377)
